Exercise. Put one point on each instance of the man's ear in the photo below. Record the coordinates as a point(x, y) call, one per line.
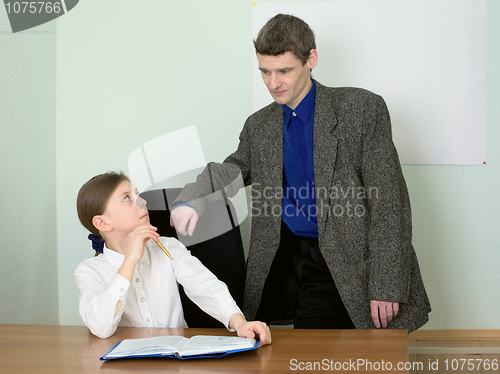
point(101, 224)
point(312, 61)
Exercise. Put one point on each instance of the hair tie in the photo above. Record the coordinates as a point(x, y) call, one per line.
point(97, 243)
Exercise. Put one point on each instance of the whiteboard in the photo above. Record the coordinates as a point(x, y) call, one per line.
point(427, 58)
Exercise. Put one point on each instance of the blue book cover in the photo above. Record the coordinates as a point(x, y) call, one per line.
point(199, 346)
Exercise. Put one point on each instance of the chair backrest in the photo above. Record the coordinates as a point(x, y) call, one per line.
point(223, 255)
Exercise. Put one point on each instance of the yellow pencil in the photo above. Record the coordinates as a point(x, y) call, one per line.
point(164, 250)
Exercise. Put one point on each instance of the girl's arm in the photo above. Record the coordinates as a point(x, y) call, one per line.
point(199, 283)
point(101, 305)
point(212, 295)
point(98, 305)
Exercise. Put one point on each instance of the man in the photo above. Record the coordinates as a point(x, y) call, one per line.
point(331, 222)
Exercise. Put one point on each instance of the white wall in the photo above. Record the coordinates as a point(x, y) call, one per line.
point(127, 74)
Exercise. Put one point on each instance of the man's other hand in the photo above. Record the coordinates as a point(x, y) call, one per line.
point(382, 312)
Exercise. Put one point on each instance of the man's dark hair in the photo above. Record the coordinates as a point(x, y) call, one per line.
point(285, 33)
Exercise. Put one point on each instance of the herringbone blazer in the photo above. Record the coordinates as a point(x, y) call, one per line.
point(364, 216)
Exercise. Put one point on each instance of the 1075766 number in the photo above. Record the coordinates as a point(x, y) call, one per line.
point(34, 7)
point(470, 364)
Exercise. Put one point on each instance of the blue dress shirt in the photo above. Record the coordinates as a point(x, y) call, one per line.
point(299, 198)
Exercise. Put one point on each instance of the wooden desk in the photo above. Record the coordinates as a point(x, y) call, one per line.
point(73, 349)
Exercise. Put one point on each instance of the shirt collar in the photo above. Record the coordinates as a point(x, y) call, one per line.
point(304, 109)
point(116, 259)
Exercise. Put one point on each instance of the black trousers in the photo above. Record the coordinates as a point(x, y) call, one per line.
point(300, 287)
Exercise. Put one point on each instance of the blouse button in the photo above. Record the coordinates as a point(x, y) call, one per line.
point(143, 299)
point(147, 320)
point(122, 290)
point(137, 279)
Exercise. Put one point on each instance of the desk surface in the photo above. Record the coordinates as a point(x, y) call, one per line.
point(73, 349)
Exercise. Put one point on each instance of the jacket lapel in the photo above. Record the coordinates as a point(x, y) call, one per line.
point(273, 140)
point(325, 150)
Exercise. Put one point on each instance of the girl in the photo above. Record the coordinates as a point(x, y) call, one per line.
point(133, 283)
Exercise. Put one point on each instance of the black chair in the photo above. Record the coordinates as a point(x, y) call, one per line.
point(223, 255)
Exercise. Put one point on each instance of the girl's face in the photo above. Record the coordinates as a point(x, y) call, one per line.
point(125, 209)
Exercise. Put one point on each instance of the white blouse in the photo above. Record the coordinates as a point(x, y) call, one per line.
point(152, 298)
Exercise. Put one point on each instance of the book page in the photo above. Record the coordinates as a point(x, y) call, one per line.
point(200, 344)
point(155, 345)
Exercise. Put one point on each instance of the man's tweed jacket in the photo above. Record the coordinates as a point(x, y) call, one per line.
point(364, 217)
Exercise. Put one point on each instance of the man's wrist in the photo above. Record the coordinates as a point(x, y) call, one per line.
point(180, 203)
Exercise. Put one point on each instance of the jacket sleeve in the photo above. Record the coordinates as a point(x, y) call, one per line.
point(98, 302)
point(230, 177)
point(390, 214)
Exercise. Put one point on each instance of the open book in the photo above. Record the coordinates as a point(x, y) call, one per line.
point(180, 347)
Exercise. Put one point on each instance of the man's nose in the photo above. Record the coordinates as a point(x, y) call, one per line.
point(274, 82)
point(140, 202)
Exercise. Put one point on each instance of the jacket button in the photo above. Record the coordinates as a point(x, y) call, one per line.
point(275, 241)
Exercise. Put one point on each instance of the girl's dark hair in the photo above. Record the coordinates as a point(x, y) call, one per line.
point(285, 33)
point(94, 196)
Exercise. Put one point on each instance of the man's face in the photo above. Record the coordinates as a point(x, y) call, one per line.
point(286, 78)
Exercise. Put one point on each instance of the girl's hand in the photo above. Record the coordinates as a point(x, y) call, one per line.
point(138, 238)
point(257, 330)
point(250, 330)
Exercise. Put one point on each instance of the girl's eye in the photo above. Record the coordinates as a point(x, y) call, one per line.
point(127, 198)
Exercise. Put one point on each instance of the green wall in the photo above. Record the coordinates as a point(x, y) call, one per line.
point(123, 75)
point(28, 246)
